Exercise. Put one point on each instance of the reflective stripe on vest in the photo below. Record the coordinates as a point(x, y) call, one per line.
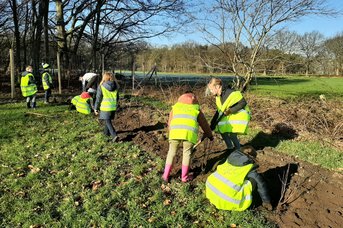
point(227, 188)
point(75, 100)
point(236, 122)
point(109, 100)
point(45, 84)
point(26, 89)
point(81, 104)
point(184, 123)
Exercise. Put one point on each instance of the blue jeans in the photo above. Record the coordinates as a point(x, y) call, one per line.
point(231, 140)
point(109, 129)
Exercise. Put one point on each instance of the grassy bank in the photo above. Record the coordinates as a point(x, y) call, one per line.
point(298, 87)
point(57, 169)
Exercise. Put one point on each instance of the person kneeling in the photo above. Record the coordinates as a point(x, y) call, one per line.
point(82, 103)
point(232, 185)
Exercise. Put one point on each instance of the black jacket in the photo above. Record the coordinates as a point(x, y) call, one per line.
point(238, 158)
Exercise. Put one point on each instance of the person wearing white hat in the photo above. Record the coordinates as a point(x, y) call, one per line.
point(47, 82)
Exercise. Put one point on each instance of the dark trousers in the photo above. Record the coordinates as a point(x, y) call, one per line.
point(47, 95)
point(31, 99)
point(109, 129)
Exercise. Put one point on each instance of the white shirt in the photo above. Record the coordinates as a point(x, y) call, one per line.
point(88, 76)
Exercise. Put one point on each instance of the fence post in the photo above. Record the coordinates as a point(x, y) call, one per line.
point(59, 73)
point(12, 73)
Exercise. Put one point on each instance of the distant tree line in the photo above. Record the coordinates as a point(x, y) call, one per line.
point(283, 54)
point(243, 37)
point(88, 34)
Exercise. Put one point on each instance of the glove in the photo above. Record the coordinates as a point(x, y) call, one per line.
point(227, 112)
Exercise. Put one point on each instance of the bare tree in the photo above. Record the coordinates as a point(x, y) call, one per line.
point(104, 24)
point(249, 22)
point(334, 45)
point(310, 46)
point(286, 42)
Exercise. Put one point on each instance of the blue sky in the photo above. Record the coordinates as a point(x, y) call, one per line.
point(328, 26)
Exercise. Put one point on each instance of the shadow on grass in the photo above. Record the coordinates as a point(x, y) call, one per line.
point(280, 132)
point(277, 81)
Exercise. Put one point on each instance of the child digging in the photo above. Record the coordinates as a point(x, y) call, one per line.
point(183, 125)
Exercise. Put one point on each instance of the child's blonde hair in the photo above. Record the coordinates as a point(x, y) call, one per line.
point(108, 76)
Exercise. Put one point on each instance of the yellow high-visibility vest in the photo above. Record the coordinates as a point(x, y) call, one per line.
point(228, 189)
point(81, 104)
point(45, 84)
point(26, 89)
point(109, 100)
point(235, 122)
point(184, 123)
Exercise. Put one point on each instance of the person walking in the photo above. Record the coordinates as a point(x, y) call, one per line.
point(47, 83)
point(183, 124)
point(28, 87)
point(82, 103)
point(107, 98)
point(232, 115)
point(231, 186)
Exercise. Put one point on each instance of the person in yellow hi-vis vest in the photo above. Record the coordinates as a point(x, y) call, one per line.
point(28, 87)
point(231, 186)
point(107, 97)
point(47, 83)
point(233, 114)
point(82, 103)
point(183, 125)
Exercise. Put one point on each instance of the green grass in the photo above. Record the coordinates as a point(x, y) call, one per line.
point(313, 152)
point(60, 171)
point(295, 87)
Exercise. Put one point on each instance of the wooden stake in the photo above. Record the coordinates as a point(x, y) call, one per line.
point(12, 73)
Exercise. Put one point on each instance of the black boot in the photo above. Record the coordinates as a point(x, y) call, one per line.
point(28, 105)
point(34, 105)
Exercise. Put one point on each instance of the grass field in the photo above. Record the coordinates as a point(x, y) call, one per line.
point(58, 170)
point(297, 87)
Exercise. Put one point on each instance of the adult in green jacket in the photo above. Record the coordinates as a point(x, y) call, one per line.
point(28, 87)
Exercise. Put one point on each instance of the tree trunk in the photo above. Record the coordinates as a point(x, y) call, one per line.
point(36, 35)
point(96, 34)
point(45, 8)
point(16, 35)
point(61, 33)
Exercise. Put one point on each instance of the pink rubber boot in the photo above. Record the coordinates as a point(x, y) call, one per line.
point(184, 174)
point(166, 173)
